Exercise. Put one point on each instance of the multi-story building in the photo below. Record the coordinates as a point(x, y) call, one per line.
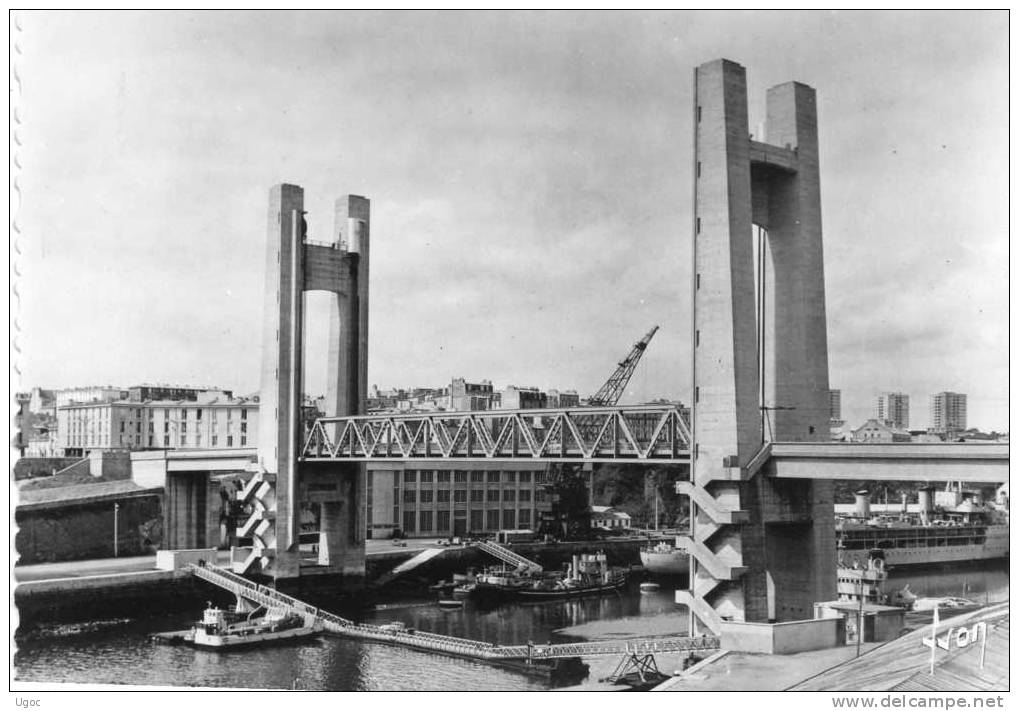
point(893, 409)
point(384, 399)
point(835, 407)
point(566, 398)
point(948, 412)
point(140, 393)
point(218, 422)
point(470, 396)
point(89, 393)
point(431, 499)
point(43, 402)
point(526, 398)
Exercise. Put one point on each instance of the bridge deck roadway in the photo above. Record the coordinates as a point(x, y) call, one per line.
point(906, 461)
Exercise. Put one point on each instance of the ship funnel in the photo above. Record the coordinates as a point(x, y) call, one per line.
point(863, 503)
point(924, 496)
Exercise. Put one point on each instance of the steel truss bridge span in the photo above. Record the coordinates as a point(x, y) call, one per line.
point(658, 433)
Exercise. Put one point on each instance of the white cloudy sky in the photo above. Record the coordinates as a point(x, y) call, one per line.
point(530, 185)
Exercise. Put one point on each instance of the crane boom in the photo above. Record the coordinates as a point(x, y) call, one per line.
point(612, 390)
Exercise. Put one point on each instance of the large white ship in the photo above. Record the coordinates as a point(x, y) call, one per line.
point(954, 527)
point(951, 527)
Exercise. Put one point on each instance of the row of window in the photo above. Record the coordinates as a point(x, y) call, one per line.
point(136, 441)
point(104, 414)
point(427, 496)
point(442, 476)
point(181, 426)
point(441, 523)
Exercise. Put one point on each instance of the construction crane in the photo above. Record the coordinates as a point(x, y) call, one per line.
point(609, 393)
point(569, 517)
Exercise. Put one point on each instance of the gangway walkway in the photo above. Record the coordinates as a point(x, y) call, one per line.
point(443, 644)
point(507, 556)
point(410, 564)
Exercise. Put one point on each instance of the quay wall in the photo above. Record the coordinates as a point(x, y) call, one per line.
point(104, 597)
point(79, 530)
point(32, 467)
point(157, 592)
point(780, 637)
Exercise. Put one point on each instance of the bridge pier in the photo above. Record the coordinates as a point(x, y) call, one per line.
point(296, 265)
point(760, 551)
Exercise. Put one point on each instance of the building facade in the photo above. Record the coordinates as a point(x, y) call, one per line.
point(431, 499)
point(876, 430)
point(835, 407)
point(525, 398)
point(948, 412)
point(565, 398)
point(893, 409)
point(140, 393)
point(122, 424)
point(470, 396)
point(89, 393)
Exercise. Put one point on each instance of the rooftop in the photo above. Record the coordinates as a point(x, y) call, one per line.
point(81, 493)
point(903, 664)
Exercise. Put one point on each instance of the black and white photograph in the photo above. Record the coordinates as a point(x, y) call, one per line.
point(510, 351)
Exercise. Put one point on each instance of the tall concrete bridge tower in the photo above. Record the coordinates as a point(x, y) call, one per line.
point(762, 549)
point(285, 486)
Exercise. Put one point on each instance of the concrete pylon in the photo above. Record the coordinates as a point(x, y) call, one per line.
point(759, 549)
point(295, 266)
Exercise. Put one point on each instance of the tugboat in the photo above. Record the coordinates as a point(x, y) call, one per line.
point(589, 574)
point(217, 631)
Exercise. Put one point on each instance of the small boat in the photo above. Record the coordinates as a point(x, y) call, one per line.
point(217, 631)
point(450, 603)
point(462, 592)
point(649, 587)
point(956, 604)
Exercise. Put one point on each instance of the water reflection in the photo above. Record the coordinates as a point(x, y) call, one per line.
point(124, 655)
point(984, 584)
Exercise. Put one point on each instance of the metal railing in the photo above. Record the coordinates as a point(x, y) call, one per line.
point(508, 556)
point(429, 641)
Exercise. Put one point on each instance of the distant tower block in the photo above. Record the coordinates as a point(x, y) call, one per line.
point(761, 550)
point(294, 266)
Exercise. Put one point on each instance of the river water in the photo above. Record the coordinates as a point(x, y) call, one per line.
point(123, 654)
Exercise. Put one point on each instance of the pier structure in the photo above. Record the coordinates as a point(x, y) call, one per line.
point(760, 548)
point(294, 266)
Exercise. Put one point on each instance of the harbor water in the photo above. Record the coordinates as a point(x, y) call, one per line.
point(121, 652)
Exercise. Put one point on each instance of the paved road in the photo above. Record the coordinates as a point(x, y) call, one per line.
point(108, 566)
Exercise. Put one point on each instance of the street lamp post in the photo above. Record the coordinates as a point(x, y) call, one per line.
point(116, 516)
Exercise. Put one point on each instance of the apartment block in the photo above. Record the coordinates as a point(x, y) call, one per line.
point(893, 409)
point(835, 407)
point(948, 412)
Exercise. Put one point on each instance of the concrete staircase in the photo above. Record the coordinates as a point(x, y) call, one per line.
point(712, 569)
point(260, 526)
point(719, 569)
